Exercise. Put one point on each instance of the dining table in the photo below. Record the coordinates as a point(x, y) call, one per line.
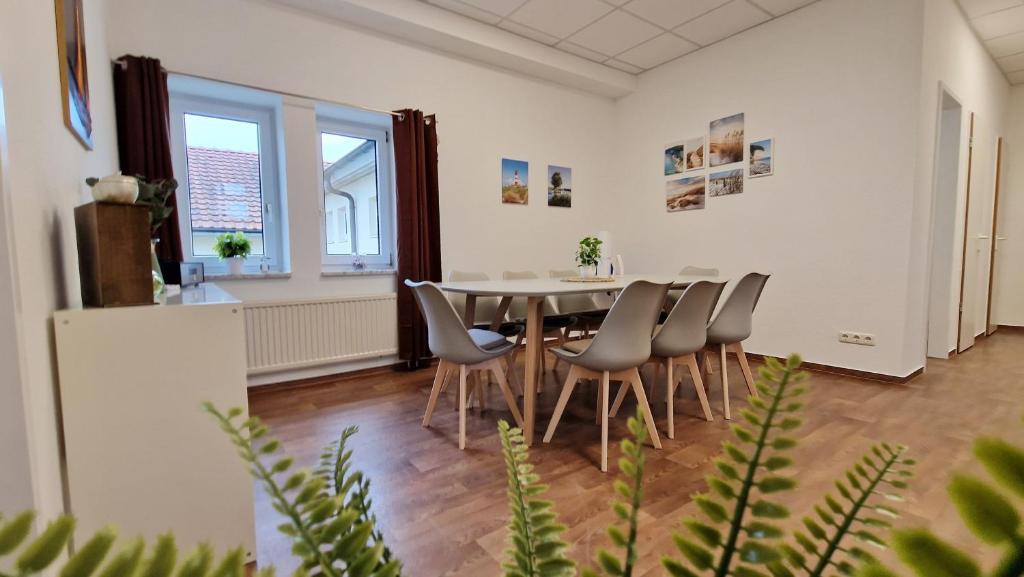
point(535, 291)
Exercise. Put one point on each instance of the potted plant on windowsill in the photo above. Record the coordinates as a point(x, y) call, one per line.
point(588, 255)
point(234, 248)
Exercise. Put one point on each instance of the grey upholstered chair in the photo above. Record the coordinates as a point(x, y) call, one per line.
point(732, 325)
point(673, 295)
point(622, 345)
point(696, 270)
point(554, 324)
point(584, 307)
point(678, 341)
point(460, 349)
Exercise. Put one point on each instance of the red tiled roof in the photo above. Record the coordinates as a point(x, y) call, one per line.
point(224, 190)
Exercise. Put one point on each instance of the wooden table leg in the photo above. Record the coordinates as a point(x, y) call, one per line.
point(499, 315)
point(469, 317)
point(534, 348)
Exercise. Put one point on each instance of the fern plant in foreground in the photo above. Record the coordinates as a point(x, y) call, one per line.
point(987, 511)
point(97, 557)
point(627, 507)
point(331, 529)
point(536, 548)
point(746, 476)
point(856, 513)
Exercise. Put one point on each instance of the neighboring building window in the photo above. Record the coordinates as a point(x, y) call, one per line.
point(356, 162)
point(225, 156)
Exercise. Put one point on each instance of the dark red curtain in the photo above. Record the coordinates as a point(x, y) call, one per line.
point(419, 225)
point(144, 136)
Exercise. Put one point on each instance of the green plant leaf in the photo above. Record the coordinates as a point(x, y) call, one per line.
point(987, 513)
point(89, 556)
point(13, 532)
point(1003, 461)
point(42, 551)
point(929, 556)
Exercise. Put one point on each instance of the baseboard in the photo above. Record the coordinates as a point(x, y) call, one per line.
point(855, 373)
point(1010, 328)
point(335, 377)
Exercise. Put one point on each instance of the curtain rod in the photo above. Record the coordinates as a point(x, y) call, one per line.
point(124, 64)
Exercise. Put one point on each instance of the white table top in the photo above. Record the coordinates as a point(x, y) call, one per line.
point(552, 286)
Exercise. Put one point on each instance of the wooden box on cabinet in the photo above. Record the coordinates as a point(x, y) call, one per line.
point(114, 259)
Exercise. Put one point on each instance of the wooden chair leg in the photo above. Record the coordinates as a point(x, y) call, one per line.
point(741, 356)
point(510, 399)
point(645, 408)
point(725, 382)
point(698, 385)
point(435, 391)
point(600, 403)
point(447, 376)
point(619, 397)
point(604, 422)
point(670, 389)
point(654, 383)
point(563, 399)
point(512, 377)
point(462, 407)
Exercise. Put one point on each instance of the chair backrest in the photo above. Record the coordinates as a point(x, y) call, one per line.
point(624, 340)
point(697, 270)
point(518, 307)
point(685, 330)
point(447, 338)
point(734, 320)
point(485, 306)
point(567, 304)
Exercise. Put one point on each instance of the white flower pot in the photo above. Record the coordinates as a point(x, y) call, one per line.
point(588, 271)
point(235, 265)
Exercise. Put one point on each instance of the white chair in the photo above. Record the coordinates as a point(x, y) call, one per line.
point(732, 325)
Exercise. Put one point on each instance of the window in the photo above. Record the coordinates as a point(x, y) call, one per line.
point(356, 175)
point(224, 147)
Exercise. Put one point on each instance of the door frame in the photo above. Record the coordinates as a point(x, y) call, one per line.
point(967, 224)
point(994, 238)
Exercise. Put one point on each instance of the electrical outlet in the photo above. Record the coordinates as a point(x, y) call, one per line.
point(851, 337)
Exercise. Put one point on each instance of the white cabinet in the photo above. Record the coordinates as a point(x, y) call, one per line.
point(141, 453)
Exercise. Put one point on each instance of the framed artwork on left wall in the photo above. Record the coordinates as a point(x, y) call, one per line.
point(74, 74)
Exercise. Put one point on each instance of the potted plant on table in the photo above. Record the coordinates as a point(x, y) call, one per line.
point(588, 255)
point(233, 247)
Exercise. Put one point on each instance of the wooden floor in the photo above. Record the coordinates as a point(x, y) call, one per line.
point(444, 511)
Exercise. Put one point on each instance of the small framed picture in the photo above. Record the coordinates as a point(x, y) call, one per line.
point(762, 157)
point(515, 181)
point(674, 161)
point(694, 153)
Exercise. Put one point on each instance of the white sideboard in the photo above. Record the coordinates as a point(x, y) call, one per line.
point(141, 453)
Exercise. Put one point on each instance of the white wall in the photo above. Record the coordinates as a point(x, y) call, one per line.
point(953, 56)
point(482, 113)
point(836, 85)
point(43, 183)
point(1008, 306)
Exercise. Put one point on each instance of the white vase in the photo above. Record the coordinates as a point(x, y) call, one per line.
point(588, 271)
point(235, 265)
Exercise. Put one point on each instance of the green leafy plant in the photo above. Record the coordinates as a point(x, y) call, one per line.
point(535, 546)
point(153, 194)
point(627, 505)
point(987, 511)
point(327, 511)
point(232, 244)
point(857, 512)
point(589, 251)
point(98, 555)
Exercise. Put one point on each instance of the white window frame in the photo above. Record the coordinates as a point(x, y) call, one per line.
point(385, 193)
point(265, 115)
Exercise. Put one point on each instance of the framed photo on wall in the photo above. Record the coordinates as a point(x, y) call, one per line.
point(74, 75)
point(559, 186)
point(694, 154)
point(515, 181)
point(762, 157)
point(726, 143)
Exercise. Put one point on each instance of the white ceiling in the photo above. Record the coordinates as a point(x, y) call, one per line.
point(630, 35)
point(1000, 24)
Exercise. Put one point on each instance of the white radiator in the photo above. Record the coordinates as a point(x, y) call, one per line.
point(295, 334)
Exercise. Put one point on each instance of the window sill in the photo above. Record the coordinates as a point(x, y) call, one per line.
point(359, 272)
point(222, 276)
